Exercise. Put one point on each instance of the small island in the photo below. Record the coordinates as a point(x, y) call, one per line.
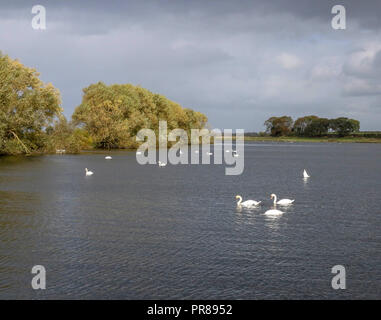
point(314, 129)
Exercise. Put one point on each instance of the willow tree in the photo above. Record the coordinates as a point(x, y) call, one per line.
point(27, 107)
point(64, 135)
point(114, 114)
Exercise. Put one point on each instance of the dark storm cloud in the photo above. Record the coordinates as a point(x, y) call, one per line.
point(365, 12)
point(237, 61)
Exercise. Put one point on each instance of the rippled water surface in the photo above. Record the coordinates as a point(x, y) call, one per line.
point(144, 232)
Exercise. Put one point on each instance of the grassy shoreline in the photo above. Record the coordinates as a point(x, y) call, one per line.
point(321, 139)
point(258, 139)
point(307, 139)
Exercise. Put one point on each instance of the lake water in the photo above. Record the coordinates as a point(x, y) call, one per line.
point(144, 232)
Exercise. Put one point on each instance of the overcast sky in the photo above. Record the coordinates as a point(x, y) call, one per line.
point(239, 62)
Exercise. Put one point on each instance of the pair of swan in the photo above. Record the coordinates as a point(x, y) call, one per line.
point(282, 202)
point(253, 203)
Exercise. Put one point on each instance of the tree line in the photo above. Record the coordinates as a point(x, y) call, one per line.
point(311, 126)
point(32, 120)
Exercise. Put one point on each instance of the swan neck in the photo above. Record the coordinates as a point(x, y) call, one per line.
point(239, 201)
point(275, 199)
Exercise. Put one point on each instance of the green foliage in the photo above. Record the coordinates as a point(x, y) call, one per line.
point(318, 127)
point(311, 126)
point(31, 118)
point(113, 115)
point(279, 126)
point(27, 106)
point(301, 124)
point(65, 136)
point(368, 134)
point(344, 126)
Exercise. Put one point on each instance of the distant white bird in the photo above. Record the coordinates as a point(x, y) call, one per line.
point(162, 164)
point(273, 212)
point(89, 173)
point(247, 203)
point(108, 157)
point(305, 174)
point(283, 202)
point(235, 154)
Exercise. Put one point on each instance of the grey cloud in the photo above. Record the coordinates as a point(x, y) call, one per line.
point(361, 87)
point(111, 13)
point(362, 73)
point(363, 64)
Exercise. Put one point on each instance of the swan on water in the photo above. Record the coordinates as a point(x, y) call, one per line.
point(89, 173)
point(162, 164)
point(273, 212)
point(283, 202)
point(305, 174)
point(247, 203)
point(108, 157)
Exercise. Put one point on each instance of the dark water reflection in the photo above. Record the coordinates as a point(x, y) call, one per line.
point(136, 232)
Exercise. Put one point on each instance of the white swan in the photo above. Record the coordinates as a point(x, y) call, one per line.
point(273, 212)
point(247, 203)
point(89, 173)
point(305, 174)
point(108, 157)
point(162, 164)
point(283, 202)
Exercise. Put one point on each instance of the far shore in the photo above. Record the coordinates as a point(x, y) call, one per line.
point(258, 139)
point(306, 139)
